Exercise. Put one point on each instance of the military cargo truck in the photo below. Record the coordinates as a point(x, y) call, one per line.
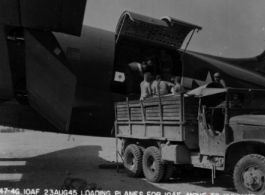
point(211, 128)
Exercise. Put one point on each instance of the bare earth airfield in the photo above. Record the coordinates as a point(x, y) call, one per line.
point(35, 160)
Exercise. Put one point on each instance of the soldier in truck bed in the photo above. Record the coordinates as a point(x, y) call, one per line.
point(160, 87)
point(146, 86)
point(178, 88)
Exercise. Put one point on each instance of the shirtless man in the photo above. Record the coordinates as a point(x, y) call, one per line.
point(160, 87)
point(146, 86)
point(178, 88)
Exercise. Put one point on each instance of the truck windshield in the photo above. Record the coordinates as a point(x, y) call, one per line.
point(247, 99)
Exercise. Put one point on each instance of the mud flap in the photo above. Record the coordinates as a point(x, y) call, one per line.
point(6, 87)
point(49, 78)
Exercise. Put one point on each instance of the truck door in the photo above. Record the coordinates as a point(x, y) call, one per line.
point(138, 36)
point(212, 139)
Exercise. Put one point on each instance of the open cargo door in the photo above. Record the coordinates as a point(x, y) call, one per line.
point(165, 32)
point(49, 79)
point(137, 34)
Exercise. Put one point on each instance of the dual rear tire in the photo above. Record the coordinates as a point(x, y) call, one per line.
point(153, 167)
point(133, 160)
point(149, 163)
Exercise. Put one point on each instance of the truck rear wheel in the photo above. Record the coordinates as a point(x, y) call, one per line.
point(249, 175)
point(153, 167)
point(133, 160)
point(168, 172)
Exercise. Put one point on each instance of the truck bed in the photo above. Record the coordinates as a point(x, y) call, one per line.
point(167, 117)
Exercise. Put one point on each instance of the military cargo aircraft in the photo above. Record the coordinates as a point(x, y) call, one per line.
point(60, 76)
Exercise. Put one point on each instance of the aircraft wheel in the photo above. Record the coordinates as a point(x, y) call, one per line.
point(153, 167)
point(249, 175)
point(133, 160)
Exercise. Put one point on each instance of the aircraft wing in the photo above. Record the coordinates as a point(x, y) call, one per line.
point(198, 69)
point(32, 59)
point(64, 16)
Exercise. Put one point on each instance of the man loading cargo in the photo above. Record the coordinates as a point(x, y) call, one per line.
point(146, 86)
point(160, 87)
point(178, 88)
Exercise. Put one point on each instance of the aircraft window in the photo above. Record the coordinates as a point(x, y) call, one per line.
point(73, 53)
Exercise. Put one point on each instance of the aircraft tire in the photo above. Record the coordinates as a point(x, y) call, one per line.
point(153, 167)
point(249, 175)
point(133, 160)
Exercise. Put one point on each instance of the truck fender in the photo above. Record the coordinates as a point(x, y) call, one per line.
point(236, 150)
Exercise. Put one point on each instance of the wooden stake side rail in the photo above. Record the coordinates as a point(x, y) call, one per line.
point(149, 122)
point(171, 109)
point(162, 118)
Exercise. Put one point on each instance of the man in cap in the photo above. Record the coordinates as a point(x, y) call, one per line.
point(218, 79)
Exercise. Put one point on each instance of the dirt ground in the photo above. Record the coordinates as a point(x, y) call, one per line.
point(36, 160)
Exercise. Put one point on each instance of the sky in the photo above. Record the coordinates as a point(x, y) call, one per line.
point(231, 28)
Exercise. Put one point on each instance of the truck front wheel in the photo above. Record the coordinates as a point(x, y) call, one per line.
point(133, 160)
point(153, 167)
point(249, 175)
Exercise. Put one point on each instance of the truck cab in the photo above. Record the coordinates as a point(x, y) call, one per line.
point(233, 130)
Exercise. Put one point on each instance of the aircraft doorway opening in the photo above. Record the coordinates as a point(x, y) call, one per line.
point(145, 44)
point(133, 60)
